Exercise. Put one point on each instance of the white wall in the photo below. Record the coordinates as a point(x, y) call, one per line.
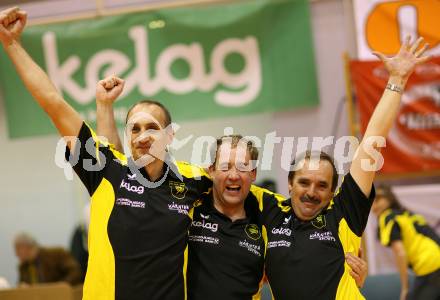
point(331, 40)
point(35, 197)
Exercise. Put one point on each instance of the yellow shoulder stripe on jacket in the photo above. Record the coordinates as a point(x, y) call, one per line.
point(259, 194)
point(120, 156)
point(385, 228)
point(191, 171)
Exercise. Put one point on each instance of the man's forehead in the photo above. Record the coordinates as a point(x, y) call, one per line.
point(147, 114)
point(314, 163)
point(315, 167)
point(226, 150)
point(142, 118)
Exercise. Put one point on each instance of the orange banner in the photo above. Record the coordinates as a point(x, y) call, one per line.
point(413, 144)
point(382, 25)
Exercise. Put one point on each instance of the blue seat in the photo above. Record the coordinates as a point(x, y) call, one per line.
point(385, 286)
point(377, 287)
point(265, 292)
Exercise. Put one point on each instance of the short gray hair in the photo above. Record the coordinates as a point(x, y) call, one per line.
point(24, 238)
point(234, 140)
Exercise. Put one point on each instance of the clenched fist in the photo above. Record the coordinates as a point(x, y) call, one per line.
point(108, 89)
point(12, 22)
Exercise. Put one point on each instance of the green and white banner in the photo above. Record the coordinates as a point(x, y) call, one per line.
point(201, 62)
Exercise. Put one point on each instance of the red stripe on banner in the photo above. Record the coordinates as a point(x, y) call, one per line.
point(413, 144)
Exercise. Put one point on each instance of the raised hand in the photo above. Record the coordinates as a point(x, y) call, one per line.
point(12, 23)
point(403, 64)
point(109, 89)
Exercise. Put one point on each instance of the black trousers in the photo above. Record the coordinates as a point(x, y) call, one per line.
point(426, 287)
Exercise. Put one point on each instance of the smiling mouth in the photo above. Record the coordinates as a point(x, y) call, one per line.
point(234, 188)
point(309, 204)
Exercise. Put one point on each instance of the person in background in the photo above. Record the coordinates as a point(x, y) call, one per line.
point(414, 244)
point(4, 284)
point(78, 245)
point(44, 265)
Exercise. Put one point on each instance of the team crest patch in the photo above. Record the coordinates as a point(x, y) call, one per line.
point(178, 189)
point(319, 222)
point(252, 231)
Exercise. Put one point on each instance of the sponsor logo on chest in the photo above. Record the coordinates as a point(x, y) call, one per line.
point(206, 225)
point(179, 208)
point(130, 203)
point(254, 249)
point(276, 244)
point(282, 231)
point(139, 189)
point(322, 236)
point(204, 239)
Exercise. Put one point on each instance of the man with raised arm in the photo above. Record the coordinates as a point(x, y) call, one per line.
point(226, 237)
point(137, 238)
point(226, 241)
point(311, 233)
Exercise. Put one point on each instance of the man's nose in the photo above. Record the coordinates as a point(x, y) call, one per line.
point(233, 174)
point(144, 137)
point(311, 191)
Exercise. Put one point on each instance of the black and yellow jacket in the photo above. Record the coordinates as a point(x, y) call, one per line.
point(420, 241)
point(138, 234)
point(306, 259)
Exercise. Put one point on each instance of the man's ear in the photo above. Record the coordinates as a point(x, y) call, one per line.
point(211, 170)
point(254, 175)
point(169, 132)
point(290, 185)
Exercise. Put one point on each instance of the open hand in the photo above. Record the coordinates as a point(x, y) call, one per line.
point(403, 63)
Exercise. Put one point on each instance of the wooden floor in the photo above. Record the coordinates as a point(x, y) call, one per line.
point(54, 291)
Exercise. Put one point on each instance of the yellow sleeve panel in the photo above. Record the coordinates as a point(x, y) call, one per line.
point(100, 278)
point(347, 288)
